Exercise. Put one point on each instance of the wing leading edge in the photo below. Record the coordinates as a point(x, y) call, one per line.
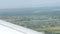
point(9, 28)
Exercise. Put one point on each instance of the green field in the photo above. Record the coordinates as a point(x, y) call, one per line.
point(43, 23)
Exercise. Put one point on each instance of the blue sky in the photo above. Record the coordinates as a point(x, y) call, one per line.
point(27, 3)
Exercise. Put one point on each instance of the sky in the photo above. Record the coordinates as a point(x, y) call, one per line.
point(27, 3)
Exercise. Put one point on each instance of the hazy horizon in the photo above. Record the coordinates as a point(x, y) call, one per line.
point(4, 4)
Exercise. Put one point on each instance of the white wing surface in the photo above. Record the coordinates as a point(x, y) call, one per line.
point(9, 28)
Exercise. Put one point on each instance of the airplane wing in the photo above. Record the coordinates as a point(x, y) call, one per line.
point(9, 28)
